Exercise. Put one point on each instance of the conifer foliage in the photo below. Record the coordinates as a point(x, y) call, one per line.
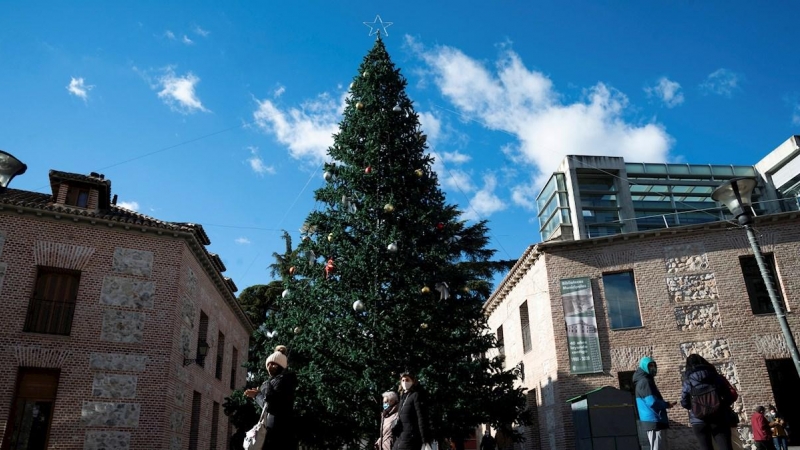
point(387, 279)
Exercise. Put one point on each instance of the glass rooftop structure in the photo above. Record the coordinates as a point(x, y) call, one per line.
point(590, 196)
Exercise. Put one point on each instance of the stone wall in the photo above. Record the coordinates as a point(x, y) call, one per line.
point(107, 414)
point(698, 317)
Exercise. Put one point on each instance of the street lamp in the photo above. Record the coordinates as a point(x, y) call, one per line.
point(9, 168)
point(735, 195)
point(202, 351)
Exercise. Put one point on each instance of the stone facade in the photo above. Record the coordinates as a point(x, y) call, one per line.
point(105, 440)
point(127, 292)
point(692, 299)
point(122, 378)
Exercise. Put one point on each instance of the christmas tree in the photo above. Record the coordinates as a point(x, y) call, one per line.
point(386, 279)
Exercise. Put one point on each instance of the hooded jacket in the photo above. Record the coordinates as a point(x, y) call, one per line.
point(651, 405)
point(704, 375)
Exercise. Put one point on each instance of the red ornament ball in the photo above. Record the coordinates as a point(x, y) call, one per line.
point(368, 170)
point(440, 226)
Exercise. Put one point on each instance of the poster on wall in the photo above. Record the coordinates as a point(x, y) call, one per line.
point(581, 324)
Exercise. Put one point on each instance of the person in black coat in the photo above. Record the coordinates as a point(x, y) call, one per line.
point(411, 430)
point(700, 375)
point(277, 396)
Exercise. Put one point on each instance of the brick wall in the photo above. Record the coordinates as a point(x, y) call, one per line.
point(122, 376)
point(692, 299)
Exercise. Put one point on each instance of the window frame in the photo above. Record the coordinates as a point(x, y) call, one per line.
point(53, 301)
point(608, 302)
point(525, 327)
point(752, 290)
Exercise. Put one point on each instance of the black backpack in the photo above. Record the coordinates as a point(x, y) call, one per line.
point(706, 401)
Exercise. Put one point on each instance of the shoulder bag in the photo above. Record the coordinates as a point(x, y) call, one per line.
point(254, 439)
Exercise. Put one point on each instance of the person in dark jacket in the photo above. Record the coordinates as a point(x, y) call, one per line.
point(411, 430)
point(761, 432)
point(651, 405)
point(487, 442)
point(277, 396)
point(700, 375)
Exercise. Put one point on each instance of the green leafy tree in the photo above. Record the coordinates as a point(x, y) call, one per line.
point(387, 278)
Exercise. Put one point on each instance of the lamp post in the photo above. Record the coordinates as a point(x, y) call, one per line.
point(9, 168)
point(735, 195)
point(202, 351)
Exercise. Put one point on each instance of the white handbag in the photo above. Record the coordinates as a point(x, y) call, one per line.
point(254, 439)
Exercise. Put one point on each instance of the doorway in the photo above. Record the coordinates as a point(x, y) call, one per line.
point(28, 426)
point(786, 392)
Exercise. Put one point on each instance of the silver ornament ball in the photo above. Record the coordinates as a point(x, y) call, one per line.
point(358, 306)
point(392, 247)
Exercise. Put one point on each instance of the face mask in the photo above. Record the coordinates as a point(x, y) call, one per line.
point(385, 406)
point(406, 385)
point(652, 369)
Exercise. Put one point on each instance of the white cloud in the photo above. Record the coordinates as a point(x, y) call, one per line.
point(278, 92)
point(79, 88)
point(242, 241)
point(308, 130)
point(524, 103)
point(456, 157)
point(667, 91)
point(186, 40)
point(721, 82)
point(457, 179)
point(431, 126)
point(132, 206)
point(201, 32)
point(485, 202)
point(169, 35)
point(257, 164)
point(178, 92)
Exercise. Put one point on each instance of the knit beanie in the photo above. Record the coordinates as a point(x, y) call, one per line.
point(278, 358)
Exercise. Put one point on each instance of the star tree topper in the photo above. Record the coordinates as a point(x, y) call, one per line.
point(378, 26)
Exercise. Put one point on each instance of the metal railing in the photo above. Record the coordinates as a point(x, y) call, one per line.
point(50, 317)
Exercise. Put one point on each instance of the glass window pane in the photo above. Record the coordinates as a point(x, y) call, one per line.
point(723, 171)
point(622, 301)
point(660, 169)
point(678, 169)
point(700, 170)
point(634, 168)
point(744, 171)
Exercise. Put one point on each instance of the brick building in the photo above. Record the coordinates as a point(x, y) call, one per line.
point(102, 309)
point(666, 293)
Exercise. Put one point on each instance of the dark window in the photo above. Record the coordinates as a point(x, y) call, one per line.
point(78, 197)
point(52, 306)
point(194, 426)
point(234, 365)
point(32, 409)
point(214, 426)
point(525, 325)
point(501, 343)
point(756, 288)
point(202, 336)
point(626, 381)
point(621, 300)
point(220, 355)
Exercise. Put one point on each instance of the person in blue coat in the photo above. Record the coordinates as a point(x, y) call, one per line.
point(651, 405)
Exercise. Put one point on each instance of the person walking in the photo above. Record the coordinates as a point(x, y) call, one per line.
point(651, 405)
point(277, 396)
point(388, 416)
point(780, 437)
point(487, 442)
point(411, 430)
point(761, 432)
point(702, 377)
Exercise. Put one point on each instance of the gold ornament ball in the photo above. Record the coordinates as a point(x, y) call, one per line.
point(359, 105)
point(426, 290)
point(388, 207)
point(424, 326)
point(465, 289)
point(330, 237)
point(419, 173)
point(297, 330)
point(292, 270)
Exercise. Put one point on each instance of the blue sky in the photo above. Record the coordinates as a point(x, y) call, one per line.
point(221, 114)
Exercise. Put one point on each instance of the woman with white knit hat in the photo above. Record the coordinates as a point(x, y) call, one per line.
point(277, 396)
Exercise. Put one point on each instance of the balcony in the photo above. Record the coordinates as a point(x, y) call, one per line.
point(49, 317)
